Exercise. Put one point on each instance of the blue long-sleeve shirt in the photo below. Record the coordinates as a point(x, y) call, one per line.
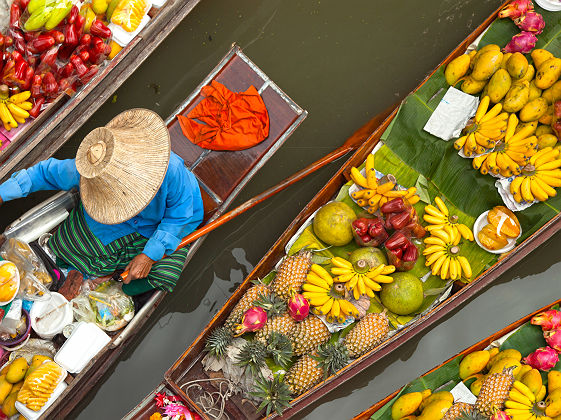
point(175, 211)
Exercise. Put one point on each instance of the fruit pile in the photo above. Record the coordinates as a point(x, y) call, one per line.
point(528, 20)
point(502, 225)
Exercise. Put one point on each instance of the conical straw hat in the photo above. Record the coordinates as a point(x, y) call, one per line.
point(122, 165)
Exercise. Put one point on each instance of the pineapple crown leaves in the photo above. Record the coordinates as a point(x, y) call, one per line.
point(218, 340)
point(252, 356)
point(274, 394)
point(331, 357)
point(279, 348)
point(272, 304)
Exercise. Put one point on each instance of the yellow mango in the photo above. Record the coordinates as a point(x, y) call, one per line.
point(553, 93)
point(535, 92)
point(456, 69)
point(426, 393)
point(486, 65)
point(483, 50)
point(9, 405)
point(5, 390)
point(506, 56)
point(17, 370)
point(473, 363)
point(517, 65)
point(499, 85)
point(529, 76)
point(548, 73)
point(520, 126)
point(504, 363)
point(533, 110)
point(539, 56)
point(471, 56)
point(553, 402)
point(547, 118)
point(517, 96)
point(546, 140)
point(512, 353)
point(493, 351)
point(523, 371)
point(472, 86)
point(533, 380)
point(435, 410)
point(406, 404)
point(38, 359)
point(17, 387)
point(441, 395)
point(553, 380)
point(543, 129)
point(475, 387)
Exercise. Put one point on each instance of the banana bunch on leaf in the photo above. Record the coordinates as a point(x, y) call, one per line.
point(539, 177)
point(511, 154)
point(374, 196)
point(486, 129)
point(439, 216)
point(442, 253)
point(13, 109)
point(360, 278)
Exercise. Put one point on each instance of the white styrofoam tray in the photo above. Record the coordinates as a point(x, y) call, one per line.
point(84, 343)
point(123, 37)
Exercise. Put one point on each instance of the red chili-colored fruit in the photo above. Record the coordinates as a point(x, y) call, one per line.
point(34, 112)
point(99, 29)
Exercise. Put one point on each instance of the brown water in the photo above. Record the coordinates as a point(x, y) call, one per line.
point(344, 62)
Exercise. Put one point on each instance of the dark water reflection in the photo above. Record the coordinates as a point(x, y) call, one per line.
point(344, 62)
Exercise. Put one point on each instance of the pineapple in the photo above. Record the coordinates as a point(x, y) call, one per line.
point(292, 274)
point(246, 302)
point(309, 334)
point(218, 340)
point(282, 324)
point(367, 334)
point(462, 411)
point(279, 348)
point(274, 394)
point(494, 392)
point(312, 368)
point(252, 356)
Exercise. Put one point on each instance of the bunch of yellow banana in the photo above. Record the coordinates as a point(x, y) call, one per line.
point(359, 277)
point(487, 128)
point(522, 404)
point(440, 217)
point(374, 196)
point(13, 109)
point(442, 254)
point(326, 297)
point(539, 178)
point(509, 155)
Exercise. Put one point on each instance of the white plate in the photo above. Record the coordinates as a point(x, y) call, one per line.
point(550, 5)
point(17, 282)
point(480, 224)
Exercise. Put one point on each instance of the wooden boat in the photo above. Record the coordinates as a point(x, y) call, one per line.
point(221, 176)
point(63, 117)
point(481, 345)
point(189, 368)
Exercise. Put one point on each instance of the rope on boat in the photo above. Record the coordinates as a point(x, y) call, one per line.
point(212, 403)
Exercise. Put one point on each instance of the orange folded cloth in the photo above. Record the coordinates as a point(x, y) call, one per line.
point(226, 120)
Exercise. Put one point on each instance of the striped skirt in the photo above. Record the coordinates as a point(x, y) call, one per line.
point(77, 247)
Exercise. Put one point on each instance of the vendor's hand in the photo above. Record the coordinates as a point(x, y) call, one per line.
point(138, 268)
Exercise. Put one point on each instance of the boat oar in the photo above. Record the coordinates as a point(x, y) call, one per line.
point(351, 144)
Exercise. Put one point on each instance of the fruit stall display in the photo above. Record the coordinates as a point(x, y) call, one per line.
point(515, 374)
point(53, 47)
point(419, 219)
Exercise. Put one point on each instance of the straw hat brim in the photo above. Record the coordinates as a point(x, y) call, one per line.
point(125, 175)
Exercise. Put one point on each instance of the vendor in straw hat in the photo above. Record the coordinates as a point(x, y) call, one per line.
point(137, 201)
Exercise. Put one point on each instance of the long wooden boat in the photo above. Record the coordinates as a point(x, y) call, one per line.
point(481, 345)
point(188, 367)
point(221, 176)
point(62, 118)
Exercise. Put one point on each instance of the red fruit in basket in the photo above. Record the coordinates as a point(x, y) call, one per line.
point(36, 86)
point(524, 42)
point(400, 220)
point(543, 358)
point(531, 22)
point(23, 4)
point(48, 58)
point(20, 69)
point(397, 240)
point(360, 225)
point(41, 43)
point(36, 110)
point(86, 40)
point(30, 36)
point(29, 74)
point(57, 35)
point(78, 64)
point(254, 319)
point(548, 320)
point(66, 70)
point(8, 41)
point(15, 15)
point(516, 8)
point(88, 75)
point(99, 29)
point(553, 339)
point(50, 85)
point(74, 12)
point(70, 35)
point(298, 307)
point(411, 253)
point(397, 205)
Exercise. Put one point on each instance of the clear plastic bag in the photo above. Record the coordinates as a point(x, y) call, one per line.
point(107, 306)
point(34, 277)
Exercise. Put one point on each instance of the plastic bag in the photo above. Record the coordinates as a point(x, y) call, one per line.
point(34, 278)
point(107, 306)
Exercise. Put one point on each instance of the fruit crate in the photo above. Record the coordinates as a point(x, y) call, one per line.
point(481, 345)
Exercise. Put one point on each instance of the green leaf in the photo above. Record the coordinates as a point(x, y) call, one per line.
point(422, 186)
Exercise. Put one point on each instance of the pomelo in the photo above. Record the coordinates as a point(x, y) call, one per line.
point(332, 223)
point(373, 256)
point(404, 295)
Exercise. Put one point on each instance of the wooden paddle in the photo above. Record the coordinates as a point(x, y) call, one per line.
point(351, 144)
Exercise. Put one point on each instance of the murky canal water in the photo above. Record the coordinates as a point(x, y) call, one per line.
point(344, 61)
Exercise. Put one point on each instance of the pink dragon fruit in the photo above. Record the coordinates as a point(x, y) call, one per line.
point(531, 22)
point(500, 415)
point(298, 307)
point(523, 43)
point(549, 320)
point(543, 358)
point(553, 339)
point(516, 8)
point(254, 319)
